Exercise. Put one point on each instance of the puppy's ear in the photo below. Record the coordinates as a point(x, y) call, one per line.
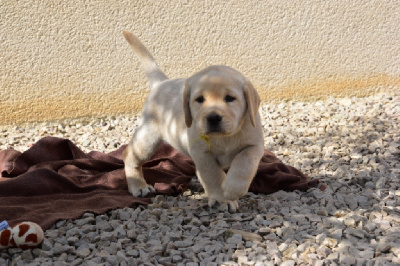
point(252, 100)
point(186, 105)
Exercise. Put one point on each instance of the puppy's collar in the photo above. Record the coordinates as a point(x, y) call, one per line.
point(206, 139)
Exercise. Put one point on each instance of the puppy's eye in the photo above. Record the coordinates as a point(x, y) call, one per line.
point(229, 98)
point(200, 99)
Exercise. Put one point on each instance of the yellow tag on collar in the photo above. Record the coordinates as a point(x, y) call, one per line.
point(206, 139)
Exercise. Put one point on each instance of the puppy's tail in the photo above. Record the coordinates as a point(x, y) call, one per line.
point(151, 69)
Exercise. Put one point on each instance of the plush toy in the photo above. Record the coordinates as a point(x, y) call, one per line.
point(22, 235)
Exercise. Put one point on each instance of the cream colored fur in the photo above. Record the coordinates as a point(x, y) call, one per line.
point(211, 117)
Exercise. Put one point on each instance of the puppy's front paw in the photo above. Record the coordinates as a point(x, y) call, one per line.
point(230, 206)
point(233, 191)
point(233, 206)
point(213, 200)
point(140, 189)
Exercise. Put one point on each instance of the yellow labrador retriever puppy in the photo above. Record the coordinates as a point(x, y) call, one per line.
point(211, 117)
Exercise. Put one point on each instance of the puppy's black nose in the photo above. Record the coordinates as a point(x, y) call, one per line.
point(214, 119)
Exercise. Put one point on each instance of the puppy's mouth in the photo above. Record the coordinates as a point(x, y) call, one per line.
point(211, 132)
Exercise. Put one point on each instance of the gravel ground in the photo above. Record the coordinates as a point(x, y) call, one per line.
point(352, 144)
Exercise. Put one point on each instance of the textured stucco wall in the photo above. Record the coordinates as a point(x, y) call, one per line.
point(68, 58)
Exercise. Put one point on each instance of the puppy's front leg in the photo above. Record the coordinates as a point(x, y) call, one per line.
point(211, 176)
point(241, 172)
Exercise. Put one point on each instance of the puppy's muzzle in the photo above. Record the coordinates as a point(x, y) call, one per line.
point(214, 123)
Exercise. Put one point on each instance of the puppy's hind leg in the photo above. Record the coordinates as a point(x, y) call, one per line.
point(141, 147)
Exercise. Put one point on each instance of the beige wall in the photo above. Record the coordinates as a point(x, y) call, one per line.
point(68, 58)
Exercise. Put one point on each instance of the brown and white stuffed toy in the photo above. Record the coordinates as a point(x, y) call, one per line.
point(22, 235)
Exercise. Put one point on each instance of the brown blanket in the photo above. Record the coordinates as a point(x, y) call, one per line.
point(55, 180)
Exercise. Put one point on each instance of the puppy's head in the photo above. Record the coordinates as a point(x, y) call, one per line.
point(217, 99)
